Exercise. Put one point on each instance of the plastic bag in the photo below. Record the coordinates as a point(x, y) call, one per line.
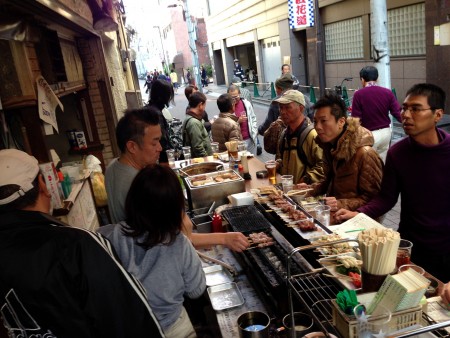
point(92, 163)
point(99, 189)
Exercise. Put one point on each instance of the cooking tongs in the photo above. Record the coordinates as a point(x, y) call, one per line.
point(225, 265)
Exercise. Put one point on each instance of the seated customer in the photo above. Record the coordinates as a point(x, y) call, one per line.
point(417, 168)
point(353, 169)
point(194, 132)
point(225, 127)
point(152, 247)
point(297, 152)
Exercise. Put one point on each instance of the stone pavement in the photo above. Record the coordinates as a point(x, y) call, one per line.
point(392, 218)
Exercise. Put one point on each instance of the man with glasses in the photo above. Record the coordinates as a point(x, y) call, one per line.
point(243, 110)
point(418, 167)
point(372, 104)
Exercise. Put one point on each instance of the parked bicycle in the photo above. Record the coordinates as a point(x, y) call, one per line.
point(343, 94)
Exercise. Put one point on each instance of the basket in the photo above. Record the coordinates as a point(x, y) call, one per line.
point(346, 325)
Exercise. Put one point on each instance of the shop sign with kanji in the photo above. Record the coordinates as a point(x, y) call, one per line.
point(301, 13)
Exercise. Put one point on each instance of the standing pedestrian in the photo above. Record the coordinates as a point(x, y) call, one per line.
point(246, 118)
point(174, 79)
point(372, 104)
point(204, 77)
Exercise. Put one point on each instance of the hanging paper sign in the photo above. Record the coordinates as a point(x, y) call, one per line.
point(301, 13)
point(47, 102)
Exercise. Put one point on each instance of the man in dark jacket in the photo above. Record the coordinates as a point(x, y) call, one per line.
point(56, 280)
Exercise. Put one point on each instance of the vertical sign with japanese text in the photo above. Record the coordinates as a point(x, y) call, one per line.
point(301, 13)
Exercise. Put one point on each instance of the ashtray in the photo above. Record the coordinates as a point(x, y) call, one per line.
point(262, 174)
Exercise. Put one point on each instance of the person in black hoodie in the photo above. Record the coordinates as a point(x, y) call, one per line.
point(161, 95)
point(57, 280)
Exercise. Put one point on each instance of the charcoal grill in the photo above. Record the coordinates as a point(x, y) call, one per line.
point(245, 219)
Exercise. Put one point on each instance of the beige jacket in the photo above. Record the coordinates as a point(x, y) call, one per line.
point(225, 128)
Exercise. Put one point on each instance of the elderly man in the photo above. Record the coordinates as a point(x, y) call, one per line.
point(417, 167)
point(138, 134)
point(56, 280)
point(246, 118)
point(285, 68)
point(298, 153)
point(283, 83)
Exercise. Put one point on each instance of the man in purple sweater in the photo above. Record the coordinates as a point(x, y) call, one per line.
point(418, 168)
point(372, 105)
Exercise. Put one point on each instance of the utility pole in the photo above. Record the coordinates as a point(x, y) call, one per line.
point(193, 47)
point(319, 49)
point(380, 41)
point(162, 50)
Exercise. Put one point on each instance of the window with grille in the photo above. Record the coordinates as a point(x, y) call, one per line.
point(406, 27)
point(344, 40)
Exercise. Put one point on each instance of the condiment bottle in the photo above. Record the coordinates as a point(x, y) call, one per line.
point(241, 170)
point(217, 223)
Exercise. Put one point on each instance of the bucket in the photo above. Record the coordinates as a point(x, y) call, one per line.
point(253, 324)
point(302, 321)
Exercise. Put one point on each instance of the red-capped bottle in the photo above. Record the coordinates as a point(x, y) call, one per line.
point(217, 223)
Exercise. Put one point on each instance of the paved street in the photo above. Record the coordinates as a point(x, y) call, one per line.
point(213, 92)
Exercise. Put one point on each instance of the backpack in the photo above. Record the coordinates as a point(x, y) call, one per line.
point(300, 153)
point(186, 139)
point(272, 135)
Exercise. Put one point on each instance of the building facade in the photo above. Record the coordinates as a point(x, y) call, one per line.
point(257, 33)
point(80, 48)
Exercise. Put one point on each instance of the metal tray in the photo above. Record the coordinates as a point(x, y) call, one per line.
point(216, 274)
point(225, 296)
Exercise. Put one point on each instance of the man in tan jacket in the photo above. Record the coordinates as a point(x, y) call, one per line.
point(226, 127)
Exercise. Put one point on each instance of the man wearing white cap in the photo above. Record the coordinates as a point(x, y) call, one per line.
point(298, 153)
point(55, 280)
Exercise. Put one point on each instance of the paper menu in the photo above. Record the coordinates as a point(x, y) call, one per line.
point(352, 227)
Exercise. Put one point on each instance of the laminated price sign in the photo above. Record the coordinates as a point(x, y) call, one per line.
point(301, 13)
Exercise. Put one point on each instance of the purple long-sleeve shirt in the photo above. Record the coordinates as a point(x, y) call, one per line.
point(372, 105)
point(421, 174)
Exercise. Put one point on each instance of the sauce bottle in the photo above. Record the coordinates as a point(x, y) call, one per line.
point(217, 223)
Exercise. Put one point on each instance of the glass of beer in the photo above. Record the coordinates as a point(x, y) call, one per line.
point(271, 167)
point(404, 252)
point(215, 148)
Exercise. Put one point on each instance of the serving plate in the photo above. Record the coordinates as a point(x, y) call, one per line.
point(331, 268)
point(225, 296)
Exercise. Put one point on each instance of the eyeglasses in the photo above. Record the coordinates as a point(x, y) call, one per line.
point(414, 110)
point(235, 98)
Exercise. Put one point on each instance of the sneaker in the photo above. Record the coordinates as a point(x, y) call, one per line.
point(258, 150)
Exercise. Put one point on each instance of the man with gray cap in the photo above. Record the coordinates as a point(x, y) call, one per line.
point(55, 280)
point(298, 154)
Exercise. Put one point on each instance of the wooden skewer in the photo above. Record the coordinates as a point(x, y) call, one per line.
point(296, 192)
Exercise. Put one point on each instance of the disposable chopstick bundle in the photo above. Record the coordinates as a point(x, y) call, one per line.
point(379, 250)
